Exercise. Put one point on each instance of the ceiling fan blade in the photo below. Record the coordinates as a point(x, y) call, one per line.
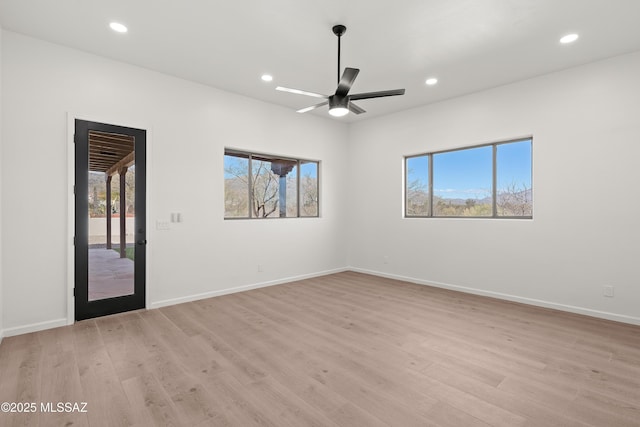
point(301, 92)
point(348, 77)
point(355, 109)
point(378, 94)
point(313, 107)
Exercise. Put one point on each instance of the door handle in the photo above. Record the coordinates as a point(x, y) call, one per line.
point(142, 242)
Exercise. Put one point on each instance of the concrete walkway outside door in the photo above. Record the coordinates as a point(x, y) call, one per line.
point(109, 275)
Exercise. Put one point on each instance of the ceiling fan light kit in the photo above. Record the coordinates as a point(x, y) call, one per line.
point(340, 102)
point(338, 111)
point(338, 106)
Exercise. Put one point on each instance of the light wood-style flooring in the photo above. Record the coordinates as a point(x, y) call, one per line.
point(341, 350)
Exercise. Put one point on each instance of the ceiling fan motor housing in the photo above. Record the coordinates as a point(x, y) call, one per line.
point(336, 101)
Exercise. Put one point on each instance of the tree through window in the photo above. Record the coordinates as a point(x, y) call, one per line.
point(266, 186)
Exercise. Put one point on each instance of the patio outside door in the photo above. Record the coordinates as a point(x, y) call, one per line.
point(110, 229)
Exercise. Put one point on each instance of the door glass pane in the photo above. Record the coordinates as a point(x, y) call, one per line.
point(111, 215)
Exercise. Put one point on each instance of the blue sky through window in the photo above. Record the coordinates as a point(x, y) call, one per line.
point(234, 166)
point(234, 163)
point(467, 174)
point(418, 172)
point(309, 169)
point(514, 165)
point(463, 174)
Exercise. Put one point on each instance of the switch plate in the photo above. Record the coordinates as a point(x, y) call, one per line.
point(162, 225)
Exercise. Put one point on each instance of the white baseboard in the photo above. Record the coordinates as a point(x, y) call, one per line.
point(530, 301)
point(243, 288)
point(19, 330)
point(34, 327)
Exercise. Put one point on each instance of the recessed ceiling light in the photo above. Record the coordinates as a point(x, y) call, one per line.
point(118, 27)
point(431, 81)
point(267, 77)
point(569, 38)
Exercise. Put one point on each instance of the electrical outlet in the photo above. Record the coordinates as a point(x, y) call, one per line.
point(260, 270)
point(607, 291)
point(385, 259)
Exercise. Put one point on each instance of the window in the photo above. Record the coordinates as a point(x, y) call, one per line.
point(514, 191)
point(236, 185)
point(417, 186)
point(266, 186)
point(308, 188)
point(488, 181)
point(462, 182)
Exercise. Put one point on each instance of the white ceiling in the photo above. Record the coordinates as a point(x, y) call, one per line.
point(469, 45)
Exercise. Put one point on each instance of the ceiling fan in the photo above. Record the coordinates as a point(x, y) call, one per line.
point(340, 102)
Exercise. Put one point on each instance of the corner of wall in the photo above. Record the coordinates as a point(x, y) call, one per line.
point(568, 260)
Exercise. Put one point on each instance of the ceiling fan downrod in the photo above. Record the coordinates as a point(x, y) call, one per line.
point(339, 30)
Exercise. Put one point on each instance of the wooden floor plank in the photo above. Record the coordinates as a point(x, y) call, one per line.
point(518, 404)
point(20, 376)
point(62, 385)
point(153, 405)
point(101, 387)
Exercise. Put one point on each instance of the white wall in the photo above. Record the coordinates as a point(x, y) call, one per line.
point(1, 240)
point(98, 229)
point(586, 127)
point(189, 125)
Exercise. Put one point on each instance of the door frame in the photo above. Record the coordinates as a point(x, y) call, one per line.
point(71, 205)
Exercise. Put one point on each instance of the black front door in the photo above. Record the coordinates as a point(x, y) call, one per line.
point(110, 229)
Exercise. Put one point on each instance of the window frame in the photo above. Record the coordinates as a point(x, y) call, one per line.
point(494, 183)
point(251, 156)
